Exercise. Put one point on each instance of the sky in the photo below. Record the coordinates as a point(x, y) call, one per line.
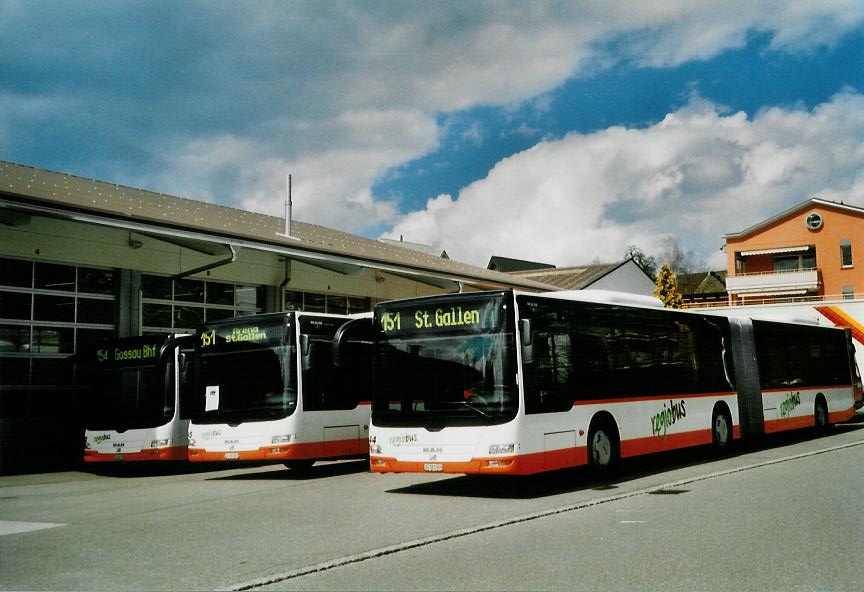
point(559, 132)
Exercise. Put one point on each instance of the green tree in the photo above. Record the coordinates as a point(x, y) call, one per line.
point(667, 288)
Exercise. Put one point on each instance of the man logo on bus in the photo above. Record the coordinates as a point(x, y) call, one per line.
point(661, 422)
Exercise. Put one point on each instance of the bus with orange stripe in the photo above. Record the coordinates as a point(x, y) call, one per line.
point(514, 383)
point(135, 393)
point(267, 389)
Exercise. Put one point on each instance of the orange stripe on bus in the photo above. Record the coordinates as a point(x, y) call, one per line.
point(809, 388)
point(805, 421)
point(147, 454)
point(626, 399)
point(842, 319)
point(538, 462)
point(303, 450)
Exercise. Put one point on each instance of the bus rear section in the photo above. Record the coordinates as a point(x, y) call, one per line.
point(268, 390)
point(135, 397)
point(808, 377)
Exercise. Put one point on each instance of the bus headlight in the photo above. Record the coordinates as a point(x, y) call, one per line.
point(283, 439)
point(375, 449)
point(160, 443)
point(501, 448)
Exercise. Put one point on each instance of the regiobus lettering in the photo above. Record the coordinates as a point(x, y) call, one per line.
point(661, 422)
point(789, 404)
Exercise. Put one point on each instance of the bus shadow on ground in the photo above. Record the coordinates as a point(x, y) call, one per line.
point(147, 469)
point(583, 478)
point(335, 469)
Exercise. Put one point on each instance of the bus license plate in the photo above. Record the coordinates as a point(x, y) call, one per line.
point(118, 457)
point(232, 455)
point(433, 467)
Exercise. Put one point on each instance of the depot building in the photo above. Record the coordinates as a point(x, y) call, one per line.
point(84, 260)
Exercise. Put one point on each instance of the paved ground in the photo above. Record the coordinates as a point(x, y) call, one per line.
point(784, 516)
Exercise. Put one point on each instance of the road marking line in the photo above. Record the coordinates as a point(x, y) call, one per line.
point(406, 546)
point(12, 527)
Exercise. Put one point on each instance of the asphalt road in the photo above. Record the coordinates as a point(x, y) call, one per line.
point(785, 515)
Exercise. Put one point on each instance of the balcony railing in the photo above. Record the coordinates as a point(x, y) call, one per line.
point(776, 283)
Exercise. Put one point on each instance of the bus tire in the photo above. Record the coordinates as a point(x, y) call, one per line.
point(603, 445)
point(820, 415)
point(721, 429)
point(299, 465)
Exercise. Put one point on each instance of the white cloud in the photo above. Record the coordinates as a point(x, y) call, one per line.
point(225, 99)
point(398, 67)
point(698, 175)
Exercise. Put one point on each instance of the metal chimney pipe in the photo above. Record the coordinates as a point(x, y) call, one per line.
point(289, 206)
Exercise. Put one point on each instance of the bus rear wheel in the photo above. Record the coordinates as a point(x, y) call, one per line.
point(820, 415)
point(721, 430)
point(603, 448)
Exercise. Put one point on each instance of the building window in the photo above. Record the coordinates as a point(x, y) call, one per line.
point(846, 253)
point(169, 306)
point(327, 303)
point(848, 293)
point(48, 311)
point(813, 221)
point(797, 262)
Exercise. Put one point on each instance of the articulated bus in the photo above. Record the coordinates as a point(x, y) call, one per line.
point(505, 382)
point(136, 407)
point(271, 389)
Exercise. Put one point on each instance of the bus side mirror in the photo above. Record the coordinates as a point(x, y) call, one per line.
point(356, 331)
point(304, 344)
point(526, 340)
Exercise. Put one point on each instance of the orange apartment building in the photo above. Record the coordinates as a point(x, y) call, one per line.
point(813, 251)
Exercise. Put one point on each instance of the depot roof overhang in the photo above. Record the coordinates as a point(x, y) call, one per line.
point(33, 192)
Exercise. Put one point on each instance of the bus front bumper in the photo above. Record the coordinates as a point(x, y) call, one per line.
point(172, 453)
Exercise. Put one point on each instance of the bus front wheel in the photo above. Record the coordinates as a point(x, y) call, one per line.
point(603, 449)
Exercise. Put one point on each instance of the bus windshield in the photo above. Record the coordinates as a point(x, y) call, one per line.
point(247, 370)
point(445, 362)
point(126, 385)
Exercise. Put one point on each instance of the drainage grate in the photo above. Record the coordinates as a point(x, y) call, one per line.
point(669, 491)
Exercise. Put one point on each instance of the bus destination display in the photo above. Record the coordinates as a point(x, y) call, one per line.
point(468, 316)
point(127, 353)
point(235, 335)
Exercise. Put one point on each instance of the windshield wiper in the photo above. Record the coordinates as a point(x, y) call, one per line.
point(468, 405)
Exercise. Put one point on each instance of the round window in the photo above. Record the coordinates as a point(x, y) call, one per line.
point(814, 221)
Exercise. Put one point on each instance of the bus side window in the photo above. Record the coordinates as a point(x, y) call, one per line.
point(549, 377)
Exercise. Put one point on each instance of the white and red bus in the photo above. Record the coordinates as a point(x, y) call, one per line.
point(504, 382)
point(135, 399)
point(268, 390)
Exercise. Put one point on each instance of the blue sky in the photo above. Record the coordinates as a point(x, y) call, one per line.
point(558, 132)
